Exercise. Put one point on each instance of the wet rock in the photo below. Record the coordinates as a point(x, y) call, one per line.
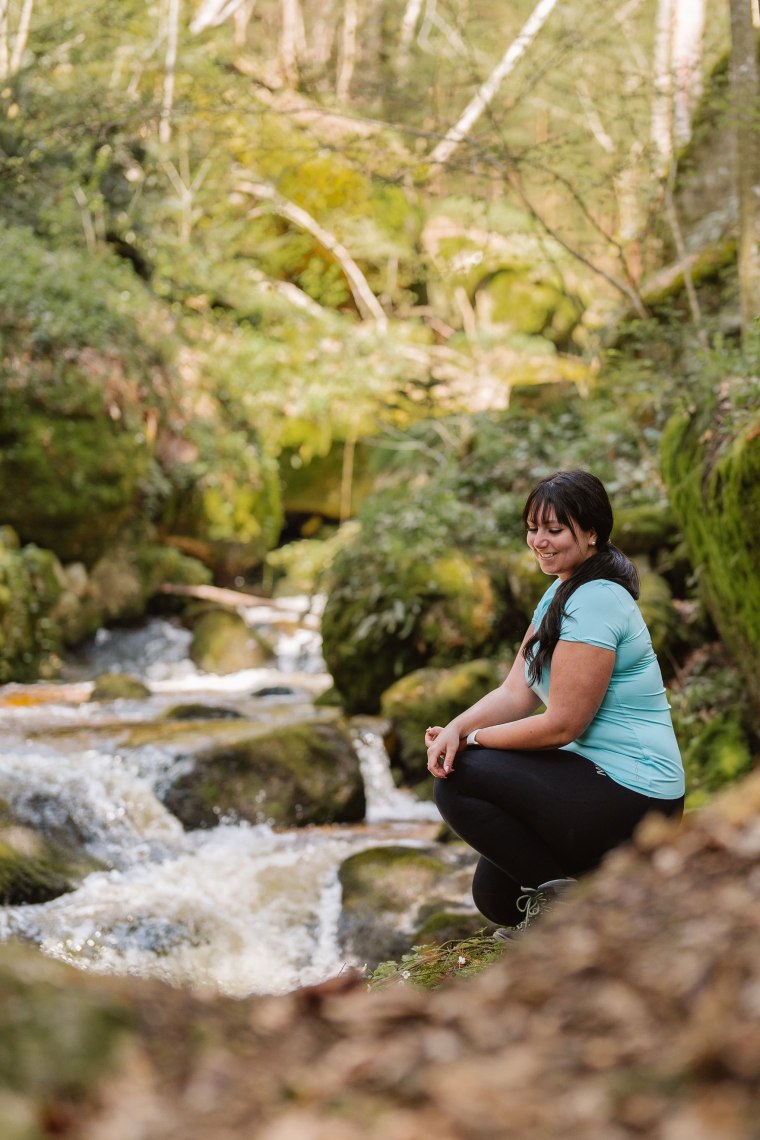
point(38, 863)
point(223, 643)
point(395, 896)
point(195, 711)
point(297, 774)
point(118, 686)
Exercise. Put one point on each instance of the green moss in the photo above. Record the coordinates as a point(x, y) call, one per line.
point(80, 477)
point(388, 878)
point(223, 643)
point(712, 719)
point(118, 686)
point(302, 773)
point(30, 639)
point(644, 529)
point(514, 300)
point(35, 868)
point(661, 616)
point(712, 468)
point(29, 878)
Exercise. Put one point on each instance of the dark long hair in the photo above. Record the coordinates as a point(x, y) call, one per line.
point(578, 500)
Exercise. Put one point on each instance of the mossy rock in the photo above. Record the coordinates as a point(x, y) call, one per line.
point(119, 687)
point(442, 925)
point(197, 711)
point(299, 774)
point(121, 584)
point(713, 478)
point(80, 475)
point(223, 643)
point(390, 892)
point(30, 588)
point(432, 696)
point(660, 614)
point(512, 300)
point(35, 867)
point(644, 528)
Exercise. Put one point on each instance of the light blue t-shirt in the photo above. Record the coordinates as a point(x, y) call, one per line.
point(631, 737)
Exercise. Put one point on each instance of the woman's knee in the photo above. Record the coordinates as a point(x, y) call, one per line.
point(445, 796)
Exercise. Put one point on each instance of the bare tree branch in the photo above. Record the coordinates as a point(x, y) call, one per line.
point(366, 301)
point(12, 48)
point(620, 285)
point(488, 90)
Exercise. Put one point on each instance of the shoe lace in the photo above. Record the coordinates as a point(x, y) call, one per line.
point(530, 904)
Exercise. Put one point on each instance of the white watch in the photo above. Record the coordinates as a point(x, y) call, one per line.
point(471, 737)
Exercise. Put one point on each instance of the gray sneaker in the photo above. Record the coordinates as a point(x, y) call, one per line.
point(531, 903)
point(534, 900)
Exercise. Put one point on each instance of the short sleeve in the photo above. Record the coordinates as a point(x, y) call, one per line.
point(598, 613)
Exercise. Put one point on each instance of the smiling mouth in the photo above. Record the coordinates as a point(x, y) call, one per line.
point(547, 555)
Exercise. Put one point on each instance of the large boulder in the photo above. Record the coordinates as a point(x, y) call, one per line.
point(298, 774)
point(711, 462)
point(223, 643)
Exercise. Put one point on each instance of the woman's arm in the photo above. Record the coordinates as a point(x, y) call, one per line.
point(511, 701)
point(580, 676)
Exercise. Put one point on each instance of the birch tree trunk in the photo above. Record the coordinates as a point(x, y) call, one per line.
point(347, 57)
point(170, 67)
point(745, 104)
point(662, 75)
point(688, 34)
point(488, 90)
point(293, 41)
point(12, 47)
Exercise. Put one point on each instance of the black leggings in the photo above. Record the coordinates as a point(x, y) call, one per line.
point(535, 816)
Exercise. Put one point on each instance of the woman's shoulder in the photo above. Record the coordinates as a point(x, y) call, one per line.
point(602, 592)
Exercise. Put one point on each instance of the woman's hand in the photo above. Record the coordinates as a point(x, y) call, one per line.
point(442, 746)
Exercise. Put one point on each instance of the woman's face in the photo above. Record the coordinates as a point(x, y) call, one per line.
point(558, 549)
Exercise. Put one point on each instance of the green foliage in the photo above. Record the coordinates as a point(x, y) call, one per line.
point(63, 299)
point(712, 719)
point(447, 530)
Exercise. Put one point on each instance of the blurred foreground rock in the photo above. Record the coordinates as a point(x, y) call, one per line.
point(634, 1010)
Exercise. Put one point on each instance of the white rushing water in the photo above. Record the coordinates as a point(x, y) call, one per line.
point(239, 908)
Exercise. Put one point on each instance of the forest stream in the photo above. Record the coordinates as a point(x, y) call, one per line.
point(240, 908)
